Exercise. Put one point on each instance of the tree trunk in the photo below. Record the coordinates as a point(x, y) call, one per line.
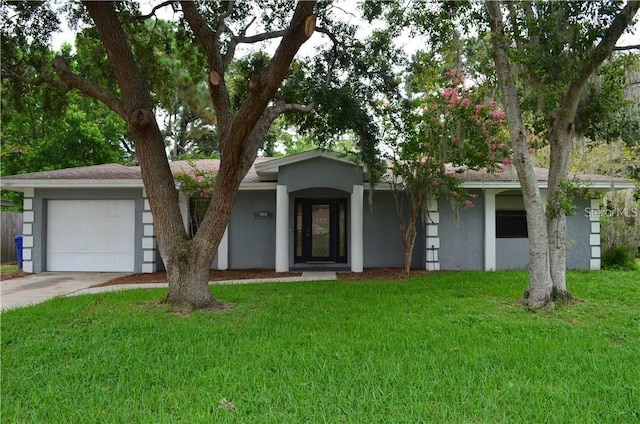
point(189, 281)
point(409, 242)
point(561, 135)
point(188, 261)
point(158, 180)
point(539, 291)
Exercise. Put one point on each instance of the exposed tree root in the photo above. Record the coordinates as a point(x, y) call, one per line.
point(546, 302)
point(563, 296)
point(185, 308)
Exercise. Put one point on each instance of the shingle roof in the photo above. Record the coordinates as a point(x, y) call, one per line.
point(120, 172)
point(213, 165)
point(109, 171)
point(542, 174)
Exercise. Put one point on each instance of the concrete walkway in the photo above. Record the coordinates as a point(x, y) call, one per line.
point(43, 286)
point(37, 288)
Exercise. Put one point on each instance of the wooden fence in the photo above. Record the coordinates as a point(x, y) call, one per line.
point(11, 226)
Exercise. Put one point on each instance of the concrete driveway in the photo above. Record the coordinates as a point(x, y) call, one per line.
point(37, 288)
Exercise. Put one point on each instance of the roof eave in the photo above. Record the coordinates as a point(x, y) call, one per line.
point(510, 185)
point(23, 184)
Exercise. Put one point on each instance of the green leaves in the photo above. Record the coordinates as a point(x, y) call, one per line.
point(196, 183)
point(445, 126)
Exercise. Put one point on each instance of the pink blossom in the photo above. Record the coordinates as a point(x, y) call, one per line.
point(425, 159)
point(434, 106)
point(468, 204)
point(465, 102)
point(506, 161)
point(473, 196)
point(454, 193)
point(493, 104)
point(451, 94)
point(436, 183)
point(502, 169)
point(451, 73)
point(498, 115)
point(479, 108)
point(494, 146)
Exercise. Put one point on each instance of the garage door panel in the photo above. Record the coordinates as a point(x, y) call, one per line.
point(90, 235)
point(78, 244)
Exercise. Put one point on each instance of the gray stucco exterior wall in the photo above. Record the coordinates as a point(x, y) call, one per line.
point(42, 196)
point(382, 240)
point(461, 239)
point(252, 238)
point(320, 172)
point(513, 253)
point(578, 230)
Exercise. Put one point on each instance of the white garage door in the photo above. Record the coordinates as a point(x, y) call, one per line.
point(90, 235)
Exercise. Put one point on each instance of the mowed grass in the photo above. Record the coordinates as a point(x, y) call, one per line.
point(448, 347)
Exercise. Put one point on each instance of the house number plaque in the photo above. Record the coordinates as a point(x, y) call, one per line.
point(263, 215)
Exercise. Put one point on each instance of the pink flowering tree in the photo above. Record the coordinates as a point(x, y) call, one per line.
point(196, 183)
point(432, 138)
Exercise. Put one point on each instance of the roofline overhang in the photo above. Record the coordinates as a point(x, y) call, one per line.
point(24, 184)
point(258, 186)
point(515, 185)
point(268, 170)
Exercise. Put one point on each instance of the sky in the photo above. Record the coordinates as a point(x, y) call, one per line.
point(407, 43)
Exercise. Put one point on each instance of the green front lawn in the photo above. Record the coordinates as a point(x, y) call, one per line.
point(448, 347)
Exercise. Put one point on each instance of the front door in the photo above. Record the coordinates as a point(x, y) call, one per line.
point(320, 230)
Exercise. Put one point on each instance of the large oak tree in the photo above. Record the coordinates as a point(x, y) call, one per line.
point(241, 129)
point(558, 47)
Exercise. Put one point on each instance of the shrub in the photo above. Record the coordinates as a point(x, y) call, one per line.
point(620, 257)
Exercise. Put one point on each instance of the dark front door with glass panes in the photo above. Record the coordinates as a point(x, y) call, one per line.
point(320, 230)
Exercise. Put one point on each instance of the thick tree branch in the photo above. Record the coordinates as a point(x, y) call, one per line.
point(623, 48)
point(231, 47)
point(206, 37)
point(334, 49)
point(153, 11)
point(43, 78)
point(598, 55)
point(209, 41)
point(268, 80)
point(88, 88)
point(259, 37)
point(143, 128)
point(273, 112)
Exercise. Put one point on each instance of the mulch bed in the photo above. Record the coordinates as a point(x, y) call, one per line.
point(214, 275)
point(251, 274)
point(10, 275)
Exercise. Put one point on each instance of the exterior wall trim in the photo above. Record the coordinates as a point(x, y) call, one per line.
point(433, 238)
point(282, 228)
point(357, 228)
point(149, 248)
point(595, 262)
point(28, 218)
